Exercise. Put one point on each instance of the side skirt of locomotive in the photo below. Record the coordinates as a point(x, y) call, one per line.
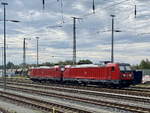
point(114, 83)
point(40, 79)
point(105, 83)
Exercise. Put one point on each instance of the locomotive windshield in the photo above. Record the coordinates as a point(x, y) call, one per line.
point(125, 68)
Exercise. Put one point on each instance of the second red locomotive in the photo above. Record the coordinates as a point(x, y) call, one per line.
point(111, 74)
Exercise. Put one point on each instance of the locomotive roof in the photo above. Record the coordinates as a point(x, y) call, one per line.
point(45, 67)
point(84, 65)
point(123, 64)
point(119, 63)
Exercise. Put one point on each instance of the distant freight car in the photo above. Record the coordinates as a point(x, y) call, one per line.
point(111, 74)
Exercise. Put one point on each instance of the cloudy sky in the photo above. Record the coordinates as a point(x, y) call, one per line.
point(54, 27)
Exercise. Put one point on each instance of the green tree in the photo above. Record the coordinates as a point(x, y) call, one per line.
point(67, 62)
point(47, 64)
point(10, 65)
point(144, 64)
point(85, 62)
point(135, 66)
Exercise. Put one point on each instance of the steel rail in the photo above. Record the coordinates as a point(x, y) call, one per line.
point(88, 89)
point(111, 95)
point(40, 104)
point(85, 100)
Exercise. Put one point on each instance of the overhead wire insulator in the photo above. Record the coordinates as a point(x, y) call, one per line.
point(94, 6)
point(135, 11)
point(62, 11)
point(43, 4)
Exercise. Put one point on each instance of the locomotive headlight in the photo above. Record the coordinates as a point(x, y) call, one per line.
point(130, 75)
point(124, 75)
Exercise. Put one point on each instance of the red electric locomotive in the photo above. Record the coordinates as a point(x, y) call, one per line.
point(45, 73)
point(111, 74)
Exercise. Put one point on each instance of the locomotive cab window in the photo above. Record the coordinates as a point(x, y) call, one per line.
point(112, 69)
point(128, 68)
point(125, 68)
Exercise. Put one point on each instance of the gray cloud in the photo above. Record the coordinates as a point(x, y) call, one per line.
point(93, 31)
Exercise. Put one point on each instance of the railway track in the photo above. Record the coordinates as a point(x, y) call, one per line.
point(39, 104)
point(95, 93)
point(27, 80)
point(85, 100)
point(142, 88)
point(2, 110)
point(127, 91)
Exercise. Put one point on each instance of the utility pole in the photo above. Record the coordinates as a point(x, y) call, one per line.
point(2, 62)
point(112, 40)
point(4, 4)
point(24, 55)
point(24, 52)
point(37, 50)
point(74, 39)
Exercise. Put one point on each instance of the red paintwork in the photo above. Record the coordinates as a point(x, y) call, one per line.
point(45, 72)
point(95, 73)
point(128, 76)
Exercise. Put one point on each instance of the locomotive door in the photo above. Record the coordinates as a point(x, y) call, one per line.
point(109, 72)
point(112, 72)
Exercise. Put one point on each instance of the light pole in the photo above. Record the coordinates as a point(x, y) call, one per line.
point(74, 40)
point(4, 4)
point(112, 39)
point(37, 50)
point(24, 54)
point(2, 63)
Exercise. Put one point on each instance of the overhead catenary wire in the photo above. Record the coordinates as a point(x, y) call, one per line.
point(63, 21)
point(89, 14)
point(62, 10)
point(61, 5)
point(107, 7)
point(134, 19)
point(67, 21)
point(85, 15)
